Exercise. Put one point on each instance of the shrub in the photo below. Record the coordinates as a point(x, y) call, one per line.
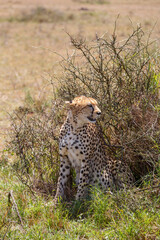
point(33, 139)
point(124, 77)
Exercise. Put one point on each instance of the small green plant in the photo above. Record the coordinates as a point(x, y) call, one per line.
point(127, 214)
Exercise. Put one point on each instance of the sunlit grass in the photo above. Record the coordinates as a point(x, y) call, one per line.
point(130, 214)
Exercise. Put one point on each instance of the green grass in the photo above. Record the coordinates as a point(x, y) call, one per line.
point(131, 214)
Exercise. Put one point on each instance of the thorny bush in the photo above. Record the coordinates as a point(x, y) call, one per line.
point(124, 78)
point(34, 140)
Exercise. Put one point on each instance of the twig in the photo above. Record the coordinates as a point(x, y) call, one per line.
point(148, 188)
point(10, 195)
point(25, 183)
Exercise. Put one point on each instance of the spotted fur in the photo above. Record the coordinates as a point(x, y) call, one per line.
point(81, 146)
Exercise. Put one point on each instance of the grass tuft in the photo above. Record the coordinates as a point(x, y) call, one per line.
point(131, 214)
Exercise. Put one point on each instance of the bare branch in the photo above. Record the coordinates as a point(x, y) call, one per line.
point(10, 195)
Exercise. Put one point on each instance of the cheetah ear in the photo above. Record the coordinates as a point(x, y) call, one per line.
point(68, 103)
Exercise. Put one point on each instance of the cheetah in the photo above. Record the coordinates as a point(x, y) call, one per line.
point(81, 146)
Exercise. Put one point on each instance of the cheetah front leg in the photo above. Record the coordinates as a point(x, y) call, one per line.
point(63, 178)
point(77, 169)
point(83, 182)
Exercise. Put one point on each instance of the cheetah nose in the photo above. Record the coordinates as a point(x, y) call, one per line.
point(99, 113)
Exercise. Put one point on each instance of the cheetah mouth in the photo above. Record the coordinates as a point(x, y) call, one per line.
point(91, 119)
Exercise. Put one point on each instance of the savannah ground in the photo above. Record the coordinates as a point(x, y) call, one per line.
point(29, 41)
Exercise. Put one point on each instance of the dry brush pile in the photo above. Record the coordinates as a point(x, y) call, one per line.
point(124, 78)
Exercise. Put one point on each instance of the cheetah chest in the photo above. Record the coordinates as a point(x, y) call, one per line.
point(71, 146)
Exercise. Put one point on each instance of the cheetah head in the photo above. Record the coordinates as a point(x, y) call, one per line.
point(84, 110)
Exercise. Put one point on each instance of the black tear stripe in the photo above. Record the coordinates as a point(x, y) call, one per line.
point(92, 110)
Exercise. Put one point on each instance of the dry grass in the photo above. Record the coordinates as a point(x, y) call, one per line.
point(27, 60)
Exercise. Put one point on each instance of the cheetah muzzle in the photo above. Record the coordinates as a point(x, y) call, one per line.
point(91, 119)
